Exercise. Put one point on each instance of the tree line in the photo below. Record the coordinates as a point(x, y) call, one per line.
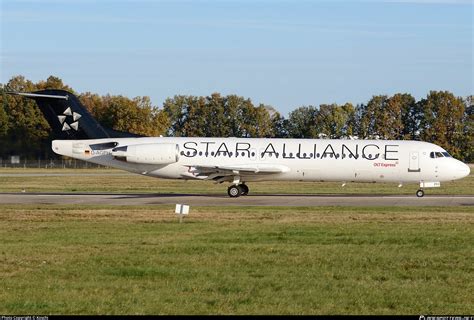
point(440, 118)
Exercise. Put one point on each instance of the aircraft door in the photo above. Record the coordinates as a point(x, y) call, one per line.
point(414, 164)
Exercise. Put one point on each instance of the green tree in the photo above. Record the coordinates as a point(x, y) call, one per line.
point(177, 111)
point(136, 115)
point(263, 123)
point(159, 122)
point(247, 119)
point(53, 83)
point(348, 112)
point(94, 104)
point(148, 120)
point(279, 125)
point(233, 108)
point(382, 117)
point(196, 121)
point(4, 123)
point(404, 117)
point(467, 142)
point(302, 122)
point(371, 118)
point(216, 117)
point(335, 121)
point(28, 130)
point(442, 121)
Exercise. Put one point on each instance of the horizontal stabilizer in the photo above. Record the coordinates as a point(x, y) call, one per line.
point(36, 95)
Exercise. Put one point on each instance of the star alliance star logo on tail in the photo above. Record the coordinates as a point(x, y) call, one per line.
point(75, 117)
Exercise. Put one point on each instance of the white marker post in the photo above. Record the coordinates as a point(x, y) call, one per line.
point(181, 210)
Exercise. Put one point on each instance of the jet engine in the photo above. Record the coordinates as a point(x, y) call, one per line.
point(150, 153)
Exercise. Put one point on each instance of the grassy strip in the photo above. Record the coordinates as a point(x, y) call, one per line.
point(236, 260)
point(109, 181)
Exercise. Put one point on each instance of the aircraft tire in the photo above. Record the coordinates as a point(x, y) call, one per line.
point(420, 193)
point(245, 189)
point(234, 191)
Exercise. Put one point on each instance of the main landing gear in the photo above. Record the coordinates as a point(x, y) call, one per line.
point(235, 191)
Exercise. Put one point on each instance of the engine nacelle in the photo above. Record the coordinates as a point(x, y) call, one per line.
point(150, 153)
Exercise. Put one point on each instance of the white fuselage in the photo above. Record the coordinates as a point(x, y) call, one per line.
point(296, 159)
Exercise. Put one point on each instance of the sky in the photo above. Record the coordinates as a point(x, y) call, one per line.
point(281, 53)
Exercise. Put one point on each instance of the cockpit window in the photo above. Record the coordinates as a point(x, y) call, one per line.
point(439, 155)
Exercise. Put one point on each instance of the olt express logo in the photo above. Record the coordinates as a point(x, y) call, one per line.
point(385, 165)
point(67, 122)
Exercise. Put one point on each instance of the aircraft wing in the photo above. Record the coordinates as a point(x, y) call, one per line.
point(218, 173)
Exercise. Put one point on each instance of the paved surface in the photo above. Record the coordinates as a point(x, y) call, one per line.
point(224, 200)
point(63, 174)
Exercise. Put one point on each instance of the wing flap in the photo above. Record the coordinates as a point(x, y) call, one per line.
point(245, 168)
point(209, 172)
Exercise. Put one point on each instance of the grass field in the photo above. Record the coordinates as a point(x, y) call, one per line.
point(231, 260)
point(236, 260)
point(110, 180)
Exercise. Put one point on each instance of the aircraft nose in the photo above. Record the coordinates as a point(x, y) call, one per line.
point(464, 170)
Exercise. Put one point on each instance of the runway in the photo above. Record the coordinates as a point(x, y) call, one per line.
point(223, 200)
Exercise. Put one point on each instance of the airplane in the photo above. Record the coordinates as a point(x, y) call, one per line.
point(239, 161)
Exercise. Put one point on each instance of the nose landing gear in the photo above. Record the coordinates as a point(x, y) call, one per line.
point(235, 191)
point(420, 193)
point(427, 184)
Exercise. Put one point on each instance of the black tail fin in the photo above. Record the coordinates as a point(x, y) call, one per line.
point(68, 118)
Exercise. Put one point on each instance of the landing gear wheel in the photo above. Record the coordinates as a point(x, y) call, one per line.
point(234, 191)
point(245, 189)
point(420, 193)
